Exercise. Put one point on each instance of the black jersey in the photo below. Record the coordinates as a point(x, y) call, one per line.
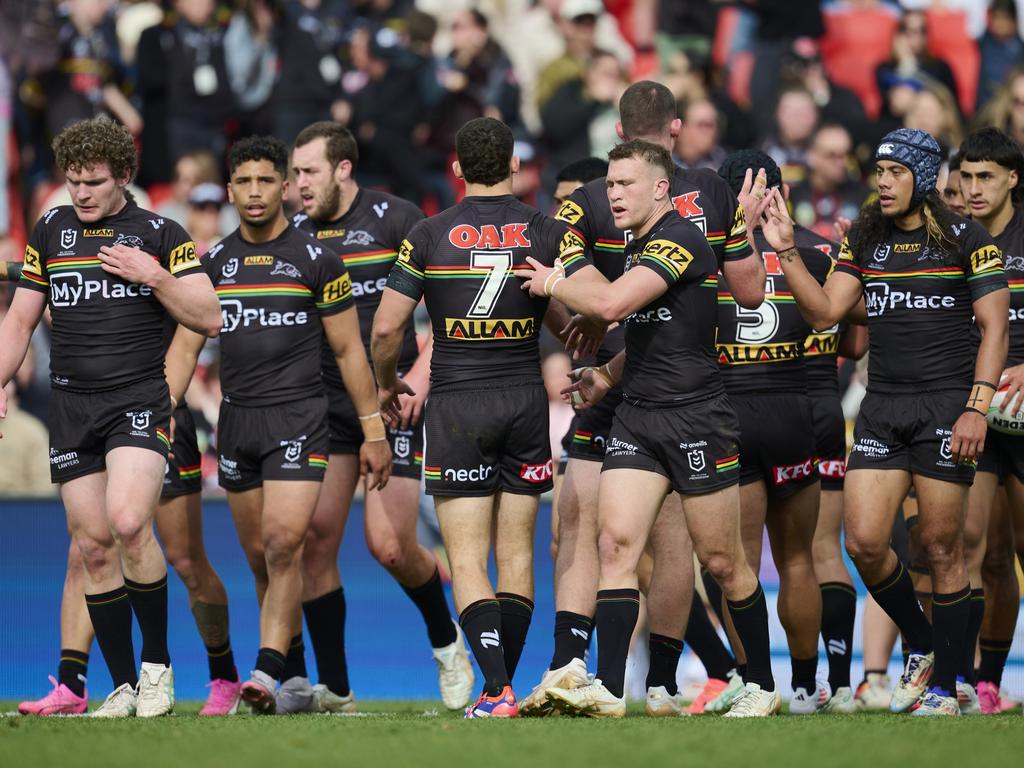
point(367, 238)
point(1011, 243)
point(486, 327)
point(272, 296)
point(698, 194)
point(107, 332)
point(762, 350)
point(670, 343)
point(919, 296)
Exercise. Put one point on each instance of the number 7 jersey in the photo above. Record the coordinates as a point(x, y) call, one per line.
point(486, 327)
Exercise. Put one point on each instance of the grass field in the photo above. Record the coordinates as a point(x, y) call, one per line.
point(395, 734)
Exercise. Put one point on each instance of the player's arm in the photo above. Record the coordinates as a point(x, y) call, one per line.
point(342, 332)
point(853, 342)
point(10, 271)
point(746, 279)
point(746, 276)
point(180, 362)
point(418, 379)
point(15, 336)
point(393, 314)
point(590, 385)
point(591, 294)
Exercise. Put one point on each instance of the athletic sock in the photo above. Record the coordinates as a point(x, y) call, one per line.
point(295, 659)
point(838, 614)
point(481, 624)
point(804, 673)
point(977, 613)
point(270, 662)
point(705, 642)
point(212, 622)
point(73, 669)
point(325, 622)
point(111, 616)
point(993, 660)
point(665, 653)
point(617, 614)
point(895, 595)
point(429, 599)
point(741, 670)
point(516, 613)
point(714, 593)
point(750, 617)
point(149, 602)
point(950, 614)
point(572, 635)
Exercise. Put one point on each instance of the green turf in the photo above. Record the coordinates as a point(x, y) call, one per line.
point(396, 734)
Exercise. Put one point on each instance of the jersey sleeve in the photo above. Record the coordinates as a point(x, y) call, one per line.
point(332, 285)
point(983, 262)
point(178, 251)
point(576, 213)
point(736, 246)
point(408, 274)
point(33, 270)
point(847, 261)
point(559, 241)
point(401, 222)
point(818, 263)
point(670, 258)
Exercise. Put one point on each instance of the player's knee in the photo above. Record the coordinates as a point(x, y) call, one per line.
point(999, 561)
point(613, 546)
point(130, 530)
point(974, 535)
point(866, 549)
point(721, 566)
point(943, 549)
point(389, 551)
point(96, 557)
point(185, 566)
point(281, 549)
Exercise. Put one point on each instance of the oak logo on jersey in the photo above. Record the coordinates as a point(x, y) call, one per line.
point(488, 236)
point(986, 258)
point(747, 354)
point(101, 232)
point(324, 234)
point(569, 212)
point(405, 252)
point(258, 261)
point(339, 288)
point(184, 257)
point(689, 207)
point(489, 329)
point(31, 263)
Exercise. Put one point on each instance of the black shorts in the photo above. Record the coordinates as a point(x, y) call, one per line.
point(346, 437)
point(912, 433)
point(1004, 455)
point(830, 439)
point(488, 439)
point(280, 442)
point(778, 445)
point(183, 475)
point(84, 426)
point(588, 433)
point(697, 447)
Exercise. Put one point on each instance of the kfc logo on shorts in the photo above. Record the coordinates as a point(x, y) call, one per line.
point(292, 451)
point(802, 471)
point(402, 446)
point(537, 473)
point(140, 419)
point(832, 468)
point(696, 460)
point(68, 238)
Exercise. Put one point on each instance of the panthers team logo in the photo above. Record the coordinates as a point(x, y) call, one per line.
point(284, 268)
point(132, 241)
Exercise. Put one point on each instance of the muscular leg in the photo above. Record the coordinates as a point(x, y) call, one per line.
point(1002, 598)
point(75, 627)
point(838, 596)
point(246, 510)
point(980, 499)
point(753, 512)
point(513, 554)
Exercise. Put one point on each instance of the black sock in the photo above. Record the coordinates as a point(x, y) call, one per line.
point(295, 659)
point(741, 670)
point(149, 603)
point(993, 660)
point(73, 669)
point(714, 593)
point(572, 635)
point(617, 613)
point(838, 614)
point(904, 650)
point(212, 623)
point(481, 624)
point(950, 614)
point(325, 622)
point(895, 595)
point(111, 615)
point(705, 642)
point(804, 673)
point(516, 613)
point(971, 639)
point(429, 598)
point(221, 662)
point(665, 653)
point(270, 662)
point(750, 617)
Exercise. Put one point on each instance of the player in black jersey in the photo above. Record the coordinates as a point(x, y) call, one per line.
point(647, 111)
point(488, 453)
point(280, 292)
point(112, 274)
point(365, 228)
point(922, 270)
point(674, 431)
point(991, 170)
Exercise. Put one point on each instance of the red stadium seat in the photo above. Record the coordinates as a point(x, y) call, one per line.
point(949, 41)
point(856, 41)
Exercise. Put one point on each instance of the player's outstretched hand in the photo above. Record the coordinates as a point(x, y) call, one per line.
point(130, 264)
point(390, 406)
point(375, 460)
point(411, 406)
point(583, 336)
point(754, 195)
point(968, 441)
point(587, 388)
point(841, 226)
point(777, 227)
point(538, 280)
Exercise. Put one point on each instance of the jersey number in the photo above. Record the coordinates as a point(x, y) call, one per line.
point(756, 326)
point(498, 265)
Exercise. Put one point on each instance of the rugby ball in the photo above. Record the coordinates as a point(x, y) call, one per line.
point(1007, 423)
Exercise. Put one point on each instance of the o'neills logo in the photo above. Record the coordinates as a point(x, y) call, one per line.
point(489, 329)
point(97, 233)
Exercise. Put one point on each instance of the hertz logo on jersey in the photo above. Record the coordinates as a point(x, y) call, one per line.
point(748, 354)
point(184, 257)
point(338, 289)
point(323, 234)
point(490, 329)
point(258, 261)
point(405, 252)
point(98, 232)
point(669, 255)
point(845, 254)
point(570, 212)
point(32, 261)
point(985, 259)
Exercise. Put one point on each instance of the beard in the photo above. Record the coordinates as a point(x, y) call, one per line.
point(326, 208)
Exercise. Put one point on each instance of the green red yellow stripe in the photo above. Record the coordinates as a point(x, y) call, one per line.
point(432, 473)
point(267, 289)
point(418, 274)
point(584, 438)
point(417, 459)
point(939, 273)
point(318, 460)
point(189, 472)
point(729, 462)
point(1016, 286)
point(163, 437)
point(34, 278)
point(367, 258)
point(72, 262)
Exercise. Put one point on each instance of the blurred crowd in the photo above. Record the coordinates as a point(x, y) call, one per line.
point(815, 84)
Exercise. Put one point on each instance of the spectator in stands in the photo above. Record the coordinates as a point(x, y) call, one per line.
point(952, 195)
point(196, 167)
point(1001, 48)
point(185, 89)
point(935, 110)
point(898, 95)
point(687, 28)
point(1005, 110)
point(911, 57)
point(203, 220)
point(697, 144)
point(251, 57)
point(829, 192)
point(796, 117)
point(578, 25)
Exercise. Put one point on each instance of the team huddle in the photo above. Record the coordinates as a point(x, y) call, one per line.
point(707, 411)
